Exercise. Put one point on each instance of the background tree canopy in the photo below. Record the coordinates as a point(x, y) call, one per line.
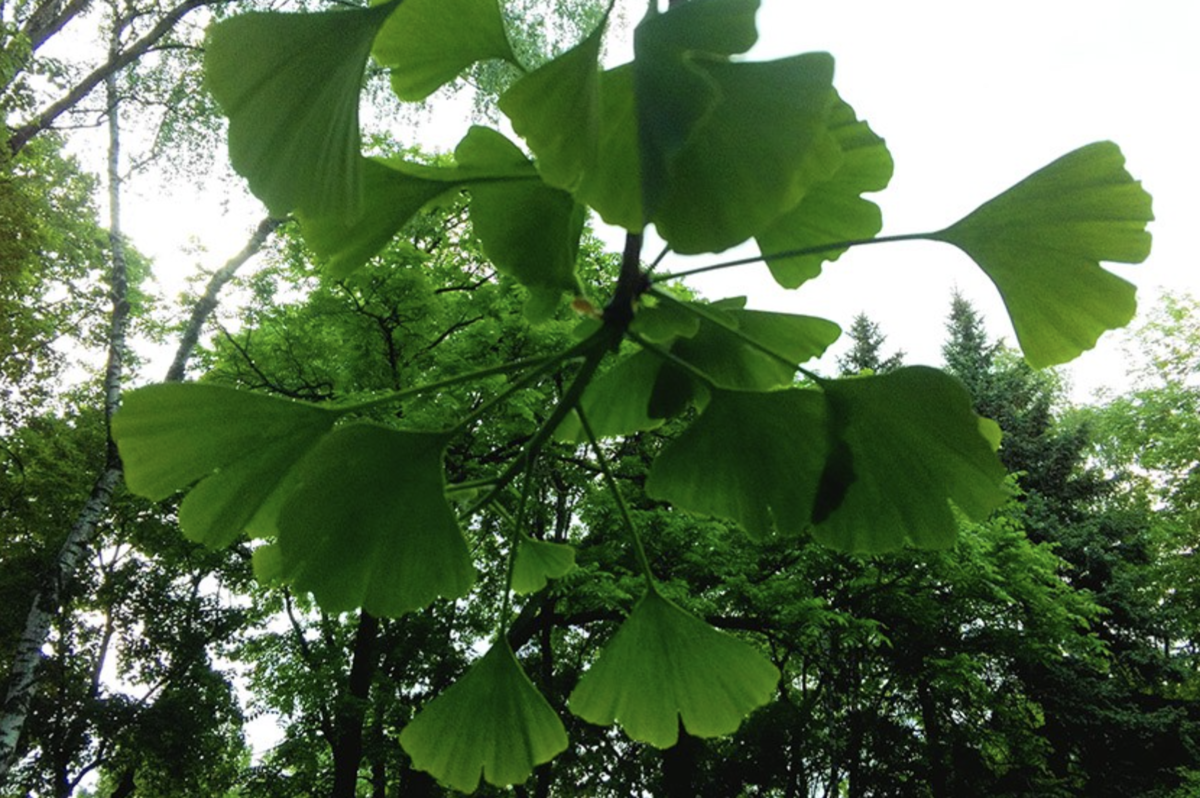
point(466, 503)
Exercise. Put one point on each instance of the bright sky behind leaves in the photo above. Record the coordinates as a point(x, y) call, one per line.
point(971, 98)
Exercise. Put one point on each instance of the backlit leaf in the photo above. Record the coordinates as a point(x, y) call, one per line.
point(754, 458)
point(614, 188)
point(528, 229)
point(868, 464)
point(760, 352)
point(916, 447)
point(289, 84)
point(556, 109)
point(427, 43)
point(392, 197)
point(1041, 243)
point(719, 191)
point(367, 523)
point(674, 92)
point(832, 210)
point(238, 447)
point(664, 665)
point(538, 561)
point(617, 402)
point(492, 721)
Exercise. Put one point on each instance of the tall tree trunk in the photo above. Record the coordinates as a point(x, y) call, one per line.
point(37, 624)
point(352, 708)
point(679, 764)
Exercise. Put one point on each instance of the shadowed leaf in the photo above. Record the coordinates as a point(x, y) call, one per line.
point(367, 523)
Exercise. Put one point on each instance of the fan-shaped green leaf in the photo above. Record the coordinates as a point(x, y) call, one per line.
point(556, 109)
point(540, 560)
point(753, 349)
point(1042, 241)
point(719, 191)
point(429, 42)
point(289, 84)
point(916, 445)
point(491, 721)
point(832, 210)
point(674, 93)
point(664, 665)
point(754, 458)
point(392, 197)
point(614, 189)
point(528, 229)
point(367, 523)
point(617, 402)
point(239, 446)
point(869, 463)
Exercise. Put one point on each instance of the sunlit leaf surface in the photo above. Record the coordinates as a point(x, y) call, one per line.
point(1042, 241)
point(491, 722)
point(664, 666)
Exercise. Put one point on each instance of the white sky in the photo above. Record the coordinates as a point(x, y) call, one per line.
point(971, 98)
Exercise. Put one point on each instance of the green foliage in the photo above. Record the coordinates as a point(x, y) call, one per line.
point(712, 151)
point(1071, 214)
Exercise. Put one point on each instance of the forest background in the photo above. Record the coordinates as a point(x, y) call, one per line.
point(1051, 652)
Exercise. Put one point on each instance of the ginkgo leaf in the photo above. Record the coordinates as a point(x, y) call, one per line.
point(367, 524)
point(392, 197)
point(556, 109)
point(754, 458)
point(240, 447)
point(1041, 243)
point(289, 84)
point(916, 447)
point(661, 322)
point(528, 228)
point(868, 464)
point(753, 349)
point(492, 721)
point(663, 666)
point(832, 210)
point(538, 561)
point(674, 92)
point(617, 402)
point(719, 191)
point(427, 43)
point(613, 189)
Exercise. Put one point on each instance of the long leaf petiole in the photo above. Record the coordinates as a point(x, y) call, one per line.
point(622, 508)
point(793, 253)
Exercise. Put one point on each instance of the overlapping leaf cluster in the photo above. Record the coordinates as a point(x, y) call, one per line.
point(711, 151)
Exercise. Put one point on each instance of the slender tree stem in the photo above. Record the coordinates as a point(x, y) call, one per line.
point(622, 508)
point(596, 347)
point(395, 396)
point(792, 253)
